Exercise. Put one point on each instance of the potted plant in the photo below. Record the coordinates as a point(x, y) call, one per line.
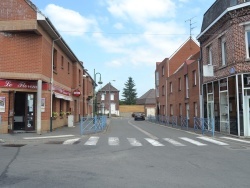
point(54, 115)
point(62, 114)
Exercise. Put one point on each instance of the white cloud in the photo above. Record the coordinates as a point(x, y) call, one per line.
point(141, 11)
point(114, 64)
point(119, 26)
point(68, 21)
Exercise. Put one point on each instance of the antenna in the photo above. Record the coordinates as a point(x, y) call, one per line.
point(190, 25)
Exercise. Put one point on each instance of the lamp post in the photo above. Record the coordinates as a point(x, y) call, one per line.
point(100, 82)
point(110, 98)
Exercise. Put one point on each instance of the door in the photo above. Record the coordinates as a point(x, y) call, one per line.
point(11, 110)
point(30, 112)
point(247, 116)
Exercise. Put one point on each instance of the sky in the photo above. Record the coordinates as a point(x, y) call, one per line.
point(124, 38)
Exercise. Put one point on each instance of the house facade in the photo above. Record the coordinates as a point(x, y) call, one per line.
point(166, 69)
point(149, 102)
point(225, 45)
point(41, 79)
point(183, 91)
point(108, 100)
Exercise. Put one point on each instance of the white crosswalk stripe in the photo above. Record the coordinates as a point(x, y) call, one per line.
point(213, 141)
point(134, 142)
point(174, 142)
point(153, 142)
point(92, 141)
point(193, 141)
point(237, 140)
point(71, 141)
point(114, 141)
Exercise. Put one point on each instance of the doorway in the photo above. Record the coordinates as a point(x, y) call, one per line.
point(247, 116)
point(24, 111)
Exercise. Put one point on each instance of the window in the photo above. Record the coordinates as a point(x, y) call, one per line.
point(54, 59)
point(171, 87)
point(103, 97)
point(163, 71)
point(186, 85)
point(180, 109)
point(112, 96)
point(171, 110)
point(194, 78)
point(187, 111)
point(62, 62)
point(68, 68)
point(157, 79)
point(223, 51)
point(210, 56)
point(179, 84)
point(157, 92)
point(195, 109)
point(163, 90)
point(248, 41)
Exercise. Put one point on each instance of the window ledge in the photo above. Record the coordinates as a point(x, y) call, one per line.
point(247, 60)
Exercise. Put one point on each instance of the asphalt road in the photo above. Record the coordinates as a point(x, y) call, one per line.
point(135, 154)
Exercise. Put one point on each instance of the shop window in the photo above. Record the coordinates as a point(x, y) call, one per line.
point(223, 51)
point(54, 59)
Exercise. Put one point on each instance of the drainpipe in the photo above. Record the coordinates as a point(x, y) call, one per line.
point(51, 81)
point(200, 84)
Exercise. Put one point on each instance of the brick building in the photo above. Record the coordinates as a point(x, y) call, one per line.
point(225, 45)
point(108, 100)
point(183, 91)
point(166, 68)
point(40, 76)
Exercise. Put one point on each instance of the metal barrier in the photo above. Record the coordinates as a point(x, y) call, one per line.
point(184, 122)
point(174, 120)
point(204, 124)
point(95, 124)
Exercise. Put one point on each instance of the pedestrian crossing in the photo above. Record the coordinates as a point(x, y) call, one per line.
point(179, 141)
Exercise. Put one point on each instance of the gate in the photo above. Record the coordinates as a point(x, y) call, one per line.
point(95, 124)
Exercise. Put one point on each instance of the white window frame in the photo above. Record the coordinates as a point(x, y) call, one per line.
point(247, 36)
point(210, 56)
point(187, 88)
point(223, 51)
point(103, 97)
point(112, 96)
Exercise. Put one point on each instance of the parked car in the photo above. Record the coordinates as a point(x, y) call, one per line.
point(139, 116)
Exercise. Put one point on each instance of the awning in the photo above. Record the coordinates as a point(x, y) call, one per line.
point(60, 96)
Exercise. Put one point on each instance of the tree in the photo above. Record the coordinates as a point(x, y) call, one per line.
point(129, 92)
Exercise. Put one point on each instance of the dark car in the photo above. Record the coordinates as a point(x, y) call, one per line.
point(139, 116)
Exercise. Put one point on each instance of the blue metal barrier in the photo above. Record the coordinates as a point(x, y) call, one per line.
point(174, 120)
point(204, 124)
point(184, 122)
point(95, 124)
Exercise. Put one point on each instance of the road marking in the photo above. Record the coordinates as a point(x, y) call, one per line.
point(114, 141)
point(193, 141)
point(92, 141)
point(171, 141)
point(145, 132)
point(213, 141)
point(153, 142)
point(43, 137)
point(235, 139)
point(134, 142)
point(71, 141)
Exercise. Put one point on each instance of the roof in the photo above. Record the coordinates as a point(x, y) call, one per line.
point(108, 87)
point(147, 98)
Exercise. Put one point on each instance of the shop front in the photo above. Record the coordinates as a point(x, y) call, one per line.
point(18, 102)
point(228, 101)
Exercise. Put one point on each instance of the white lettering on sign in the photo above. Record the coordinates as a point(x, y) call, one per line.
point(8, 84)
point(248, 80)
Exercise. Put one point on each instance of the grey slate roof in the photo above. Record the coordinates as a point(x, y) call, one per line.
point(147, 98)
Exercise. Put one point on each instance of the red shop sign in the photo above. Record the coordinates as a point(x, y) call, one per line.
point(21, 84)
point(77, 93)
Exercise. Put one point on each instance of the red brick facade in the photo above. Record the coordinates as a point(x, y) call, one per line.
point(26, 44)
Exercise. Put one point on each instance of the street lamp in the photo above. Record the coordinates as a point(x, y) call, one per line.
point(100, 82)
point(110, 98)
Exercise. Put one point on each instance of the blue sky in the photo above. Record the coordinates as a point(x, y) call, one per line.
point(124, 38)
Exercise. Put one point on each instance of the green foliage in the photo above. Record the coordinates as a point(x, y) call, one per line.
point(129, 92)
